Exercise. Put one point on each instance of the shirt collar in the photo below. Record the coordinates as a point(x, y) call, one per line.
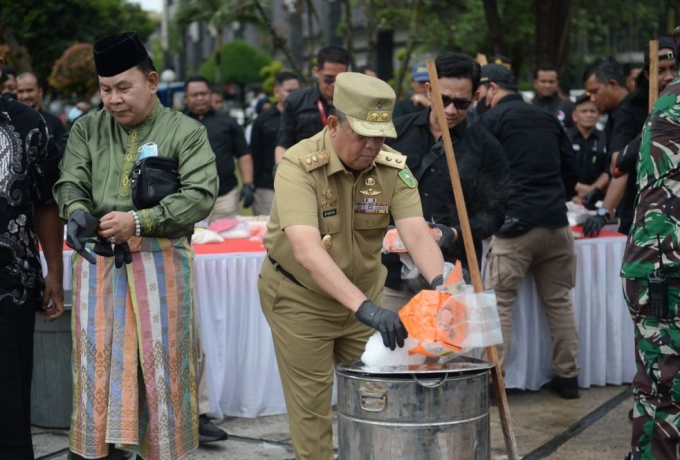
point(511, 97)
point(149, 119)
point(335, 165)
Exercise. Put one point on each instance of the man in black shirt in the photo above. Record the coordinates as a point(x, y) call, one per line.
point(546, 84)
point(626, 121)
point(590, 147)
point(536, 234)
point(263, 142)
point(228, 143)
point(482, 167)
point(30, 93)
point(305, 112)
point(28, 170)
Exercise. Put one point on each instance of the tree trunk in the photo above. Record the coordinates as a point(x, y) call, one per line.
point(553, 20)
point(20, 58)
point(495, 26)
point(278, 41)
point(349, 32)
point(218, 57)
point(412, 38)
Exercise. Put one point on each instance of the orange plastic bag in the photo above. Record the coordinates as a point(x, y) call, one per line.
point(437, 321)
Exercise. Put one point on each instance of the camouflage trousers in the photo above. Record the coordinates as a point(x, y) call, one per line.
point(656, 386)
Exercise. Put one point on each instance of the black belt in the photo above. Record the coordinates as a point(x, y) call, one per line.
point(280, 269)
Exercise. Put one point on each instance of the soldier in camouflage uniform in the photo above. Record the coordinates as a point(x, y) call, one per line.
point(651, 283)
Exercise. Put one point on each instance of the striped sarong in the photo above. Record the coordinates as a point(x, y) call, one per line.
point(134, 376)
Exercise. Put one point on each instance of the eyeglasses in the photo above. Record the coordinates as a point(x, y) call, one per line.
point(328, 79)
point(460, 104)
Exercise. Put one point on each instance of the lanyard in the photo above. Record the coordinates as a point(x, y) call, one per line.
point(322, 113)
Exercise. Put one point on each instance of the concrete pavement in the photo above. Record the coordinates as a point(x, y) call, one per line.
point(595, 426)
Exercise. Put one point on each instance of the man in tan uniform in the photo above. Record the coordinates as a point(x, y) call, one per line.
point(334, 196)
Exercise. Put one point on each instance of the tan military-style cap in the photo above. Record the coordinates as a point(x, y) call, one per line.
point(368, 103)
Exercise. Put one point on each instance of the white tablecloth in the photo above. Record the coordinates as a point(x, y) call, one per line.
point(243, 378)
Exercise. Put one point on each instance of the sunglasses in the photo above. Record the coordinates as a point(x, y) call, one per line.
point(460, 104)
point(328, 79)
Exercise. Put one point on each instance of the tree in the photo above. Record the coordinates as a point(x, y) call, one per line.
point(242, 65)
point(74, 73)
point(218, 14)
point(38, 32)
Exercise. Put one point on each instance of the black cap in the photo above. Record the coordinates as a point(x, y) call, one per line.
point(117, 53)
point(501, 60)
point(497, 73)
point(582, 98)
point(664, 43)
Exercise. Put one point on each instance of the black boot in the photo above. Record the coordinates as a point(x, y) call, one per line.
point(565, 387)
point(208, 432)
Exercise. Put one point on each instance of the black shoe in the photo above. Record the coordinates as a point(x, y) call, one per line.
point(208, 432)
point(565, 387)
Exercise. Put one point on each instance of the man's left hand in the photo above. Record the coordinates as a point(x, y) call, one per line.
point(248, 195)
point(117, 227)
point(52, 304)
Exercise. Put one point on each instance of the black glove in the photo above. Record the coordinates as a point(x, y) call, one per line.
point(592, 197)
point(247, 195)
point(121, 254)
point(384, 321)
point(447, 238)
point(80, 228)
point(436, 282)
point(593, 226)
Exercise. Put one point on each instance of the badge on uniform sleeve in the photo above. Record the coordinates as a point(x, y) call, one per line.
point(408, 178)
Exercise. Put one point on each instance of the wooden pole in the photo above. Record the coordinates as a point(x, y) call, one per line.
point(499, 387)
point(653, 73)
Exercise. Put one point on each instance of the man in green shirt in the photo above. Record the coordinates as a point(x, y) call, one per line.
point(133, 337)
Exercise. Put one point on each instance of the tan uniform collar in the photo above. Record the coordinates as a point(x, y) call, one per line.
point(335, 165)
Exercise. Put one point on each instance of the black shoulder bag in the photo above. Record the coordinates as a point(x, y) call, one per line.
point(152, 179)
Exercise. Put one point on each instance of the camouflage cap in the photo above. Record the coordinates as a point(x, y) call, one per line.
point(367, 102)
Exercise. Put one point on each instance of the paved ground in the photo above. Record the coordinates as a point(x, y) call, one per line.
point(596, 427)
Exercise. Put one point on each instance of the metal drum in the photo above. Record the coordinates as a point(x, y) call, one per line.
point(424, 412)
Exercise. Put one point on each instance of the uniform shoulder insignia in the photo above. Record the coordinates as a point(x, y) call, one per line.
point(315, 160)
point(396, 160)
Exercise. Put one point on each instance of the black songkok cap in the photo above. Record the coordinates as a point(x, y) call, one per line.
point(664, 43)
point(117, 53)
point(497, 73)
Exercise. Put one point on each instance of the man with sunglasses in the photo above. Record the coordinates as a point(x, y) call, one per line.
point(306, 112)
point(481, 164)
point(536, 235)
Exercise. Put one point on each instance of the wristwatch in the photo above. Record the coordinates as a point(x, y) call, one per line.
point(602, 212)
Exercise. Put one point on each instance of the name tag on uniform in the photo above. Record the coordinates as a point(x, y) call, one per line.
point(371, 206)
point(329, 213)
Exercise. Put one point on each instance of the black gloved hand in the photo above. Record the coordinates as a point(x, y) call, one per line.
point(592, 197)
point(593, 226)
point(81, 226)
point(247, 195)
point(121, 254)
point(447, 238)
point(437, 282)
point(384, 321)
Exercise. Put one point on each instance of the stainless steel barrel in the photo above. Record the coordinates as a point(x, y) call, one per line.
point(425, 412)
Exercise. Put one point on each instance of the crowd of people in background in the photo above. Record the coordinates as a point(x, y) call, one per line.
point(302, 160)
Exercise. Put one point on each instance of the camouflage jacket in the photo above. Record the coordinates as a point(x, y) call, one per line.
point(654, 238)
